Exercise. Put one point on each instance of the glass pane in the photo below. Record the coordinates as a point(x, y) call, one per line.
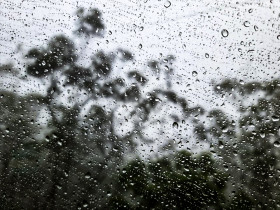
point(139, 104)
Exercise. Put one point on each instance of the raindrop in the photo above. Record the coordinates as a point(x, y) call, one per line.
point(256, 28)
point(224, 33)
point(175, 125)
point(275, 118)
point(262, 134)
point(140, 46)
point(221, 145)
point(85, 204)
point(141, 28)
point(225, 129)
point(246, 23)
point(278, 37)
point(194, 73)
point(206, 55)
point(277, 144)
point(167, 4)
point(87, 175)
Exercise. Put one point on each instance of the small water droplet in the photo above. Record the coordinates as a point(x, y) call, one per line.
point(87, 175)
point(262, 134)
point(167, 4)
point(221, 145)
point(140, 46)
point(206, 55)
point(194, 73)
point(224, 33)
point(85, 204)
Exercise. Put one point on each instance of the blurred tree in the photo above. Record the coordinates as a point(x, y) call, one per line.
point(179, 181)
point(249, 147)
point(81, 150)
point(18, 128)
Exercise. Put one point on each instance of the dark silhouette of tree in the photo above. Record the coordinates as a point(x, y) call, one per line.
point(179, 181)
point(249, 147)
point(74, 162)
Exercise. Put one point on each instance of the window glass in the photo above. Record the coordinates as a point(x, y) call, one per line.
point(139, 104)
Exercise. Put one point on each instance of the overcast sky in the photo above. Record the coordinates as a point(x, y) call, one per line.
point(191, 30)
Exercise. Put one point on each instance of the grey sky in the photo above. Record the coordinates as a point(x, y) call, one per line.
point(190, 30)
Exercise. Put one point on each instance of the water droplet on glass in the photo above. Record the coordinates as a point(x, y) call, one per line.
point(167, 4)
point(225, 129)
point(278, 37)
point(246, 23)
point(221, 145)
point(275, 118)
point(85, 204)
point(194, 73)
point(262, 134)
point(87, 175)
point(175, 125)
point(206, 55)
point(140, 46)
point(224, 33)
point(277, 144)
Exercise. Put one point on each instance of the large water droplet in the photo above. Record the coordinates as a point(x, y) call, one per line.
point(246, 23)
point(224, 129)
point(277, 144)
point(275, 118)
point(224, 33)
point(194, 73)
point(175, 125)
point(167, 4)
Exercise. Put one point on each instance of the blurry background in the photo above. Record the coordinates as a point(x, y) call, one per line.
point(139, 104)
